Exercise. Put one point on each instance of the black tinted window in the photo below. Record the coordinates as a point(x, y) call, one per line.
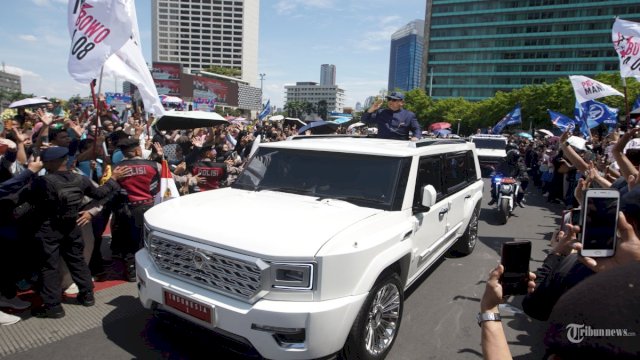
point(429, 173)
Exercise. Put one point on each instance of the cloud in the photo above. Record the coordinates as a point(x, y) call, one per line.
point(20, 72)
point(289, 6)
point(376, 40)
point(44, 3)
point(27, 37)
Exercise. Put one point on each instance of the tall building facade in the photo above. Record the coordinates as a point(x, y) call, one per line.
point(327, 75)
point(203, 33)
point(405, 59)
point(312, 92)
point(475, 48)
point(10, 82)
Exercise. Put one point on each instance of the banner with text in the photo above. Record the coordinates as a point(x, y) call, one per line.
point(98, 28)
point(587, 89)
point(626, 40)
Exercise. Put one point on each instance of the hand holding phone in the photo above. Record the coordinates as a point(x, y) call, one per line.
point(599, 222)
point(515, 259)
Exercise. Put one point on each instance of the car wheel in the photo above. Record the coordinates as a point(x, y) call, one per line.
point(376, 326)
point(467, 242)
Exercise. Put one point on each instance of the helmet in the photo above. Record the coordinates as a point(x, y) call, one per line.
point(513, 156)
point(511, 146)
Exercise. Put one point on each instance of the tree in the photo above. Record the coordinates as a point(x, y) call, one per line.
point(321, 107)
point(226, 71)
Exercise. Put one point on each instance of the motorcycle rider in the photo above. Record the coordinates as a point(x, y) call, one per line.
point(512, 166)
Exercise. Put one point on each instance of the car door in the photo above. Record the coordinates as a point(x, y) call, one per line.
point(457, 166)
point(431, 224)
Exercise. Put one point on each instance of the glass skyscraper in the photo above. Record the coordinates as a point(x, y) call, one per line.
point(474, 48)
point(405, 61)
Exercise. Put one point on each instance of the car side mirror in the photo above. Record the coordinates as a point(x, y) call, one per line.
point(428, 198)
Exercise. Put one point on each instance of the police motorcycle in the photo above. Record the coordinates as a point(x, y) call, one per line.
point(505, 183)
point(506, 190)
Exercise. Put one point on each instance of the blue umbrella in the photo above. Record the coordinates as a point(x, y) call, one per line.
point(319, 127)
point(342, 120)
point(525, 135)
point(442, 132)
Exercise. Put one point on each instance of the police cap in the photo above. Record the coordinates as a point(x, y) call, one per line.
point(54, 153)
point(128, 144)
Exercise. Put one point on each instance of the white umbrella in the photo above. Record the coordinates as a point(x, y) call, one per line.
point(29, 102)
point(166, 99)
point(352, 126)
point(546, 132)
point(276, 118)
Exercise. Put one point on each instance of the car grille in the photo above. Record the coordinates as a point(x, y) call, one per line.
point(238, 278)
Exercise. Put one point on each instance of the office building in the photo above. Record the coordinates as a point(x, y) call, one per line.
point(405, 59)
point(313, 93)
point(203, 33)
point(327, 75)
point(475, 48)
point(10, 82)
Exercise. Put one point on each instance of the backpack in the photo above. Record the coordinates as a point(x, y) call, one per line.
point(68, 196)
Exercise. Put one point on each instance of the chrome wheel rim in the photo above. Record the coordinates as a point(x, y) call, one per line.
point(473, 231)
point(382, 322)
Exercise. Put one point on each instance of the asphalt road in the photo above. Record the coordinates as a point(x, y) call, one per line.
point(438, 321)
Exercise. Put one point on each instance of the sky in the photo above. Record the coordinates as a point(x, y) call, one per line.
point(295, 38)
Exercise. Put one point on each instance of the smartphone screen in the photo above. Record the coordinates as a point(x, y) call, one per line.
point(600, 222)
point(515, 259)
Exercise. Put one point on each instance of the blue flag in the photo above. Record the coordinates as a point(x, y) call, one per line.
point(636, 104)
point(596, 113)
point(581, 119)
point(514, 117)
point(265, 111)
point(561, 121)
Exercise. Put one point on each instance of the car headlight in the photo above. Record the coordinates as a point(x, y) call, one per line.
point(292, 276)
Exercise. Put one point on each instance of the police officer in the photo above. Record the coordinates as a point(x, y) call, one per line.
point(212, 174)
point(512, 166)
point(54, 197)
point(138, 190)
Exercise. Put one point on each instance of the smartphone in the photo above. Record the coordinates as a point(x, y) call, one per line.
point(570, 217)
point(515, 259)
point(599, 222)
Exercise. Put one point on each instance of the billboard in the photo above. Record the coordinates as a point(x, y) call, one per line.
point(166, 71)
point(167, 87)
point(210, 89)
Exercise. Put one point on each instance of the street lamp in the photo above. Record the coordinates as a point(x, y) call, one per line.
point(459, 121)
point(262, 75)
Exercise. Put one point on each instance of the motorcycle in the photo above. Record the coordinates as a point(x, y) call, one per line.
point(506, 189)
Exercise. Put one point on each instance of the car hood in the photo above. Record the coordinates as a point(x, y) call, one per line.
point(265, 224)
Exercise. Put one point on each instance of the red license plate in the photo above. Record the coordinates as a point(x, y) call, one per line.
point(192, 308)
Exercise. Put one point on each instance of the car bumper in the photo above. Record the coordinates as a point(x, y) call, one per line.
point(317, 328)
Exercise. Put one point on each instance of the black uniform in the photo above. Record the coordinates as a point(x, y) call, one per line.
point(57, 230)
point(137, 196)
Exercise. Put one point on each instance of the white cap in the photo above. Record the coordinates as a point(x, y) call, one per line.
point(577, 142)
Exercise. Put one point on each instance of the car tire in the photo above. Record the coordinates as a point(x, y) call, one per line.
point(467, 242)
point(376, 327)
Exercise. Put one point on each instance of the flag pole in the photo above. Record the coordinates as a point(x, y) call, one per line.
point(626, 102)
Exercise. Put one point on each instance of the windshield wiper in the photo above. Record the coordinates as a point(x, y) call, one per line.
point(351, 199)
point(284, 189)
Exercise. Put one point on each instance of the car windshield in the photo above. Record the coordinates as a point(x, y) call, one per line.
point(365, 180)
point(494, 144)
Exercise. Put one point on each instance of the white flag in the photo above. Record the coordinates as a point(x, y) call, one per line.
point(626, 40)
point(588, 89)
point(98, 28)
point(168, 189)
point(129, 63)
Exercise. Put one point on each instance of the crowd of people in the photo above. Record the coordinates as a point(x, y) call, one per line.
point(571, 292)
point(66, 175)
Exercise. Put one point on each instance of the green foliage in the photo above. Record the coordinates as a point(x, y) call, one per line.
point(226, 71)
point(534, 99)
